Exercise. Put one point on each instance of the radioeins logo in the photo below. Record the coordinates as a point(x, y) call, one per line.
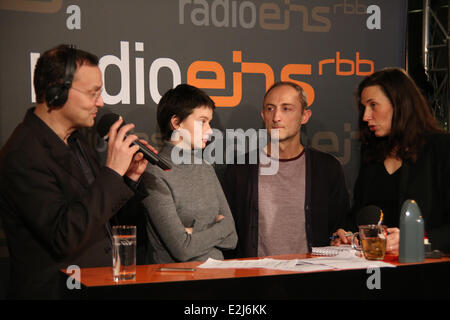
point(233, 14)
point(336, 64)
point(273, 15)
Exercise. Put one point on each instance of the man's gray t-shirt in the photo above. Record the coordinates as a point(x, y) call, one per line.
point(281, 202)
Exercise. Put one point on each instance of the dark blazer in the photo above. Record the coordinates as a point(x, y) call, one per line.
point(326, 200)
point(427, 182)
point(52, 217)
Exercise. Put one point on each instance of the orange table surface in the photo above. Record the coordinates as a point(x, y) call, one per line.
point(102, 276)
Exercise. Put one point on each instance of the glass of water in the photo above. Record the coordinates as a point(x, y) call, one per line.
point(124, 253)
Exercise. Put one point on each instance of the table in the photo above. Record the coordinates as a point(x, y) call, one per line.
point(426, 280)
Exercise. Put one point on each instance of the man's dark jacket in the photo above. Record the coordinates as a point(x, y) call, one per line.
point(326, 201)
point(52, 216)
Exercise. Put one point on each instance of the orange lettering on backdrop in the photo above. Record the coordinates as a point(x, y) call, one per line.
point(235, 99)
point(218, 82)
point(322, 62)
point(206, 66)
point(264, 68)
point(340, 61)
point(194, 76)
point(355, 66)
point(363, 61)
point(292, 69)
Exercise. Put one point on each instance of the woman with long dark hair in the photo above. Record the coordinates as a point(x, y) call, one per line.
point(404, 155)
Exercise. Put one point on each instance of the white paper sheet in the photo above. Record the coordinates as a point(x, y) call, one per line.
point(345, 259)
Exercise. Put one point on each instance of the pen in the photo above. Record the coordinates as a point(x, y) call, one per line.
point(347, 234)
point(176, 269)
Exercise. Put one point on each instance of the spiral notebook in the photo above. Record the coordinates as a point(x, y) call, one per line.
point(331, 250)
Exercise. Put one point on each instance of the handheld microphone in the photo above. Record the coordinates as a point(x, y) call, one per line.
point(105, 124)
point(369, 215)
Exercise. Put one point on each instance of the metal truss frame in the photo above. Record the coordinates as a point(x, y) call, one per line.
point(436, 57)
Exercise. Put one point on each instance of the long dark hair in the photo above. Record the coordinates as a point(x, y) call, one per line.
point(412, 119)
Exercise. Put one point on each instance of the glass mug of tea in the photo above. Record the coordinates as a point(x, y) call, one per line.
point(372, 241)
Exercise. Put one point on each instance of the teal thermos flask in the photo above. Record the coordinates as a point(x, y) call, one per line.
point(411, 246)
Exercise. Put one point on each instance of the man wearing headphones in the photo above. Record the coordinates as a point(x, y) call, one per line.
point(55, 198)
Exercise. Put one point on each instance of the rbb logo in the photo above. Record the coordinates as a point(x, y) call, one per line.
point(353, 67)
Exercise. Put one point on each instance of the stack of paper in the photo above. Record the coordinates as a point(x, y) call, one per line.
point(345, 258)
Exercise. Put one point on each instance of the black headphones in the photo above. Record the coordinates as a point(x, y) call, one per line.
point(56, 96)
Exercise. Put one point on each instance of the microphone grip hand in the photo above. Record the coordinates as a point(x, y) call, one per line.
point(139, 162)
point(120, 147)
point(114, 129)
point(150, 154)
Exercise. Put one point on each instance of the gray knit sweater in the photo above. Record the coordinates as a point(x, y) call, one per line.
point(187, 196)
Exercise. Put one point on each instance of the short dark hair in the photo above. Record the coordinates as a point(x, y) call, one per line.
point(299, 89)
point(180, 102)
point(50, 68)
point(412, 119)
